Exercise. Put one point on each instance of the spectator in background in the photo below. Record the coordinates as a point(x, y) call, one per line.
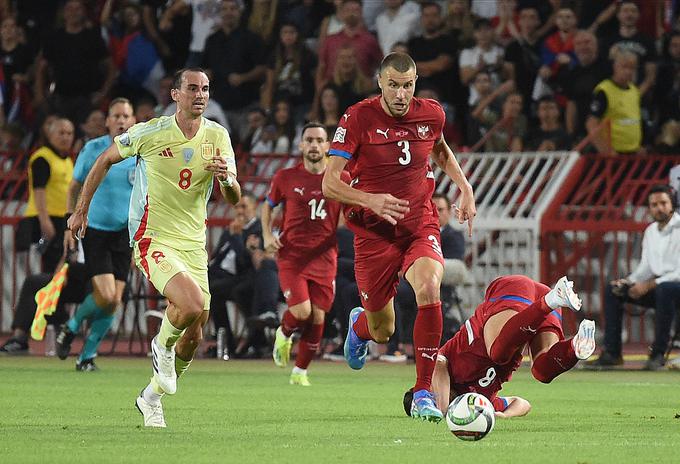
point(145, 109)
point(435, 53)
point(579, 82)
point(506, 23)
point(331, 24)
point(92, 127)
point(263, 20)
point(308, 16)
point(330, 110)
point(134, 54)
point(631, 39)
point(482, 86)
point(668, 140)
point(366, 50)
point(290, 72)
point(254, 141)
point(550, 134)
point(655, 283)
point(667, 87)
point(557, 52)
point(281, 131)
point(460, 23)
point(50, 170)
point(16, 59)
point(524, 53)
point(169, 27)
point(205, 20)
point(77, 59)
point(397, 23)
point(618, 100)
point(502, 130)
point(485, 55)
point(235, 56)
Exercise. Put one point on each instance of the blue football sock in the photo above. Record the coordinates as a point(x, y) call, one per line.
point(85, 311)
point(101, 322)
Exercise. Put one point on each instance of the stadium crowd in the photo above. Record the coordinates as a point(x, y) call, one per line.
point(512, 75)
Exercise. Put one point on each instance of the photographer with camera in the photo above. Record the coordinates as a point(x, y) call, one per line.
point(655, 283)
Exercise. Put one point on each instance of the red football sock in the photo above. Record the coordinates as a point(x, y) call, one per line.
point(290, 324)
point(427, 333)
point(518, 330)
point(309, 344)
point(360, 327)
point(559, 358)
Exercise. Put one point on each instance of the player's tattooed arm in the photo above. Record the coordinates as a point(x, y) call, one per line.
point(446, 160)
point(384, 205)
point(77, 222)
point(441, 383)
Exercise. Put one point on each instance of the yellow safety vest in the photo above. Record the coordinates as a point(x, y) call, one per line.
point(61, 173)
point(623, 110)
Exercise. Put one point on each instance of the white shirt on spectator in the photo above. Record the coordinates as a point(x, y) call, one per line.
point(398, 28)
point(660, 253)
point(205, 19)
point(484, 8)
point(469, 57)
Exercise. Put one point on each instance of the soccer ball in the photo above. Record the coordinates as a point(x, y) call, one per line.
point(470, 416)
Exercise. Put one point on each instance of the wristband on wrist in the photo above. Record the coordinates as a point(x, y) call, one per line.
point(228, 182)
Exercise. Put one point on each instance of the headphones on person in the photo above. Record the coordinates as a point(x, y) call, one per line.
point(668, 190)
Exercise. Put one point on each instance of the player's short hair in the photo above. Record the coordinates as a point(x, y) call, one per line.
point(120, 100)
point(177, 78)
point(430, 4)
point(401, 62)
point(547, 99)
point(249, 194)
point(437, 195)
point(314, 125)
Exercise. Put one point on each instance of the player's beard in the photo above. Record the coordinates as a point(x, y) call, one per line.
point(394, 112)
point(314, 157)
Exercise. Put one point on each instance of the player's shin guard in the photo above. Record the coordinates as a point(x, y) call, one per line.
point(518, 330)
point(360, 327)
point(427, 333)
point(168, 333)
point(85, 310)
point(309, 344)
point(290, 324)
point(101, 324)
point(558, 359)
point(181, 365)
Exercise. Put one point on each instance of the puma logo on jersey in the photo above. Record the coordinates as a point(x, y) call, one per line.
point(528, 329)
point(167, 153)
point(300, 190)
point(431, 357)
point(364, 295)
point(345, 116)
point(382, 132)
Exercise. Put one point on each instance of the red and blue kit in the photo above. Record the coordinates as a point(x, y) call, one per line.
point(470, 367)
point(308, 259)
point(390, 155)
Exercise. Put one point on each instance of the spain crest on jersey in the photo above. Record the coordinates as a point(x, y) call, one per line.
point(207, 151)
point(423, 131)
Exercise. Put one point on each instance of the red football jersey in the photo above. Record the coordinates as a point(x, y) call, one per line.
point(390, 155)
point(470, 368)
point(309, 220)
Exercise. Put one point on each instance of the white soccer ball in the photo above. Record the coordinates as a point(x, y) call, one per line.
point(470, 416)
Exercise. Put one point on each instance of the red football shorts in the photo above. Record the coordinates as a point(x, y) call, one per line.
point(298, 287)
point(378, 262)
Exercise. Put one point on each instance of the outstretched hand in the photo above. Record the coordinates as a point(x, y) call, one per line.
point(467, 209)
point(77, 224)
point(388, 207)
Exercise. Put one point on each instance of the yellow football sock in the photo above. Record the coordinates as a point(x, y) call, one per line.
point(168, 334)
point(181, 365)
point(155, 387)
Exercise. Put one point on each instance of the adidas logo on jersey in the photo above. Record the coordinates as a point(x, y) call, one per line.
point(167, 153)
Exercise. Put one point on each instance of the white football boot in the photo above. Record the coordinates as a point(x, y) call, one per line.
point(163, 360)
point(584, 341)
point(562, 295)
point(153, 414)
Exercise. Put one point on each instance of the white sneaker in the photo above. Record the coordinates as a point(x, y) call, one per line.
point(562, 295)
point(163, 361)
point(584, 341)
point(153, 414)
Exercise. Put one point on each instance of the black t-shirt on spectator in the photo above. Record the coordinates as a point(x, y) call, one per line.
point(76, 61)
point(558, 137)
point(526, 60)
point(667, 90)
point(424, 49)
point(177, 38)
point(639, 44)
point(14, 62)
point(578, 84)
point(239, 52)
point(599, 104)
point(294, 85)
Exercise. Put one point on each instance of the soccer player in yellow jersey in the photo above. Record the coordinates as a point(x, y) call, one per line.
point(177, 158)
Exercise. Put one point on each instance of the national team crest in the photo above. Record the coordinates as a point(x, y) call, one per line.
point(207, 151)
point(423, 131)
point(188, 154)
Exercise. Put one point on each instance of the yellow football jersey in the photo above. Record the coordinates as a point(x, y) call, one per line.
point(172, 186)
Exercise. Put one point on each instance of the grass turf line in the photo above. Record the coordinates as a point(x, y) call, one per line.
point(242, 412)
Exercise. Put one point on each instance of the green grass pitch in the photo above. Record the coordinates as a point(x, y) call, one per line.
point(245, 412)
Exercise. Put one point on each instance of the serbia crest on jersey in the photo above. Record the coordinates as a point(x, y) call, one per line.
point(390, 155)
